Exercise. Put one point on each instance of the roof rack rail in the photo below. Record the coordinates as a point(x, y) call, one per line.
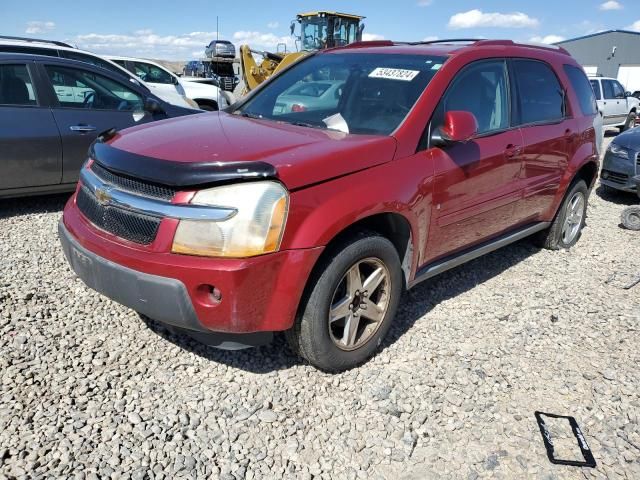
point(445, 40)
point(36, 40)
point(367, 43)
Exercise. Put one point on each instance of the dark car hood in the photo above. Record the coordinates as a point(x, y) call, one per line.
point(629, 139)
point(300, 155)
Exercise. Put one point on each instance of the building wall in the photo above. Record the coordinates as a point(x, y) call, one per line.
point(596, 50)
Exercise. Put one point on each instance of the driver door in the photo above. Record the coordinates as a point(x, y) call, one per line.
point(97, 103)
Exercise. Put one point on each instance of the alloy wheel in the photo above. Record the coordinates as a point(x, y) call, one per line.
point(359, 304)
point(573, 217)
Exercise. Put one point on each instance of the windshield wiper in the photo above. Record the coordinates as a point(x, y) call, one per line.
point(250, 115)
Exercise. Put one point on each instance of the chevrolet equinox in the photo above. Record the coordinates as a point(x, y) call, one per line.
point(312, 218)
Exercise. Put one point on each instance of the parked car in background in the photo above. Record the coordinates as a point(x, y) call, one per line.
point(313, 222)
point(220, 48)
point(622, 161)
point(64, 50)
point(194, 68)
point(52, 109)
point(207, 97)
point(310, 96)
point(619, 107)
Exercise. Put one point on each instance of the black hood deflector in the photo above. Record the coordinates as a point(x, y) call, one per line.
point(177, 174)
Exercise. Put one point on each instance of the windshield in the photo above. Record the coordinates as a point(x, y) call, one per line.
point(314, 33)
point(369, 93)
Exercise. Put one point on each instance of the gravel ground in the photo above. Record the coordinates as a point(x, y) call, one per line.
point(89, 390)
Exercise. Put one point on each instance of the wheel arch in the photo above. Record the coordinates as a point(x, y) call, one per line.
point(394, 226)
point(207, 102)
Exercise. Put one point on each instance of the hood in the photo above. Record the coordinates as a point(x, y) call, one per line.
point(629, 139)
point(300, 155)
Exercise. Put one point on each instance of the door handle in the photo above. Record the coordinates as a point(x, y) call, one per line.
point(512, 150)
point(82, 128)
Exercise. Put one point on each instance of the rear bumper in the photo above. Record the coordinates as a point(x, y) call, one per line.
point(259, 294)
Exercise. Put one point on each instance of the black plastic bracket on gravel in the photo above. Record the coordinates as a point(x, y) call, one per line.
point(589, 461)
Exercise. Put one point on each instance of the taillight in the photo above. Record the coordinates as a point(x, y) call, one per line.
point(298, 108)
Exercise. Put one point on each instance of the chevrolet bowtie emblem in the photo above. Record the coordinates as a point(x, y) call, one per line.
point(103, 195)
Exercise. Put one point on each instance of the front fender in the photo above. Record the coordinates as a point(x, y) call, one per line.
point(317, 214)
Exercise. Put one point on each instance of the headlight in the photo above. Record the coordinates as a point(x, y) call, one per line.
point(619, 151)
point(255, 229)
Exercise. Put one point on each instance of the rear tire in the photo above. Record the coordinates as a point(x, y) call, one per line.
point(349, 303)
point(630, 218)
point(566, 228)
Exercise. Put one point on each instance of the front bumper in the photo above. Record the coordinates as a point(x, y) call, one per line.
point(618, 172)
point(259, 294)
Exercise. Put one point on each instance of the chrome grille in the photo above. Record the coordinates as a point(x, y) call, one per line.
point(136, 227)
point(128, 184)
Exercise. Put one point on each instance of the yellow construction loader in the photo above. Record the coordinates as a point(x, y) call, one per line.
point(318, 30)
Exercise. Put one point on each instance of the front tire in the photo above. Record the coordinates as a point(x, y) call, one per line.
point(630, 122)
point(566, 228)
point(349, 304)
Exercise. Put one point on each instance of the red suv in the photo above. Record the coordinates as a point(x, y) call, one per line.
point(312, 217)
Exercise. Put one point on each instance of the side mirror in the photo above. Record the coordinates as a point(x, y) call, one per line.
point(152, 106)
point(628, 94)
point(458, 126)
point(293, 27)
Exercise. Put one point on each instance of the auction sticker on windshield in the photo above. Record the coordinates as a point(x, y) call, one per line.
point(394, 74)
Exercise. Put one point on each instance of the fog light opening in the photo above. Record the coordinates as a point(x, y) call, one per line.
point(209, 294)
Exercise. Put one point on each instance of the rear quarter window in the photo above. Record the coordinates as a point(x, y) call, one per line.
point(582, 87)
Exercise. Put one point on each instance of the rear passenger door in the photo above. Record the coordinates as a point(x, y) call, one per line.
point(30, 149)
point(477, 183)
point(98, 104)
point(548, 134)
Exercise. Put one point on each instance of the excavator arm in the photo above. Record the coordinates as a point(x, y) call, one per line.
point(254, 73)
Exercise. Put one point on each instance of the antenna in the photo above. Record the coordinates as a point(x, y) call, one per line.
point(217, 28)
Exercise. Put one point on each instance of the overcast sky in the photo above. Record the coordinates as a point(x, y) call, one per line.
point(180, 29)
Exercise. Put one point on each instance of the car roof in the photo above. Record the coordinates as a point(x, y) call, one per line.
point(30, 57)
point(448, 47)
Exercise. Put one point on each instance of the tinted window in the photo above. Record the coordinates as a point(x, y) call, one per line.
point(16, 87)
point(607, 86)
point(481, 89)
point(618, 90)
point(309, 89)
point(49, 52)
point(583, 89)
point(151, 73)
point(595, 84)
point(95, 61)
point(540, 97)
point(76, 88)
point(379, 90)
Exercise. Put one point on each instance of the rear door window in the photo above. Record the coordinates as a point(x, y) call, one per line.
point(16, 87)
point(607, 87)
point(583, 89)
point(539, 95)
